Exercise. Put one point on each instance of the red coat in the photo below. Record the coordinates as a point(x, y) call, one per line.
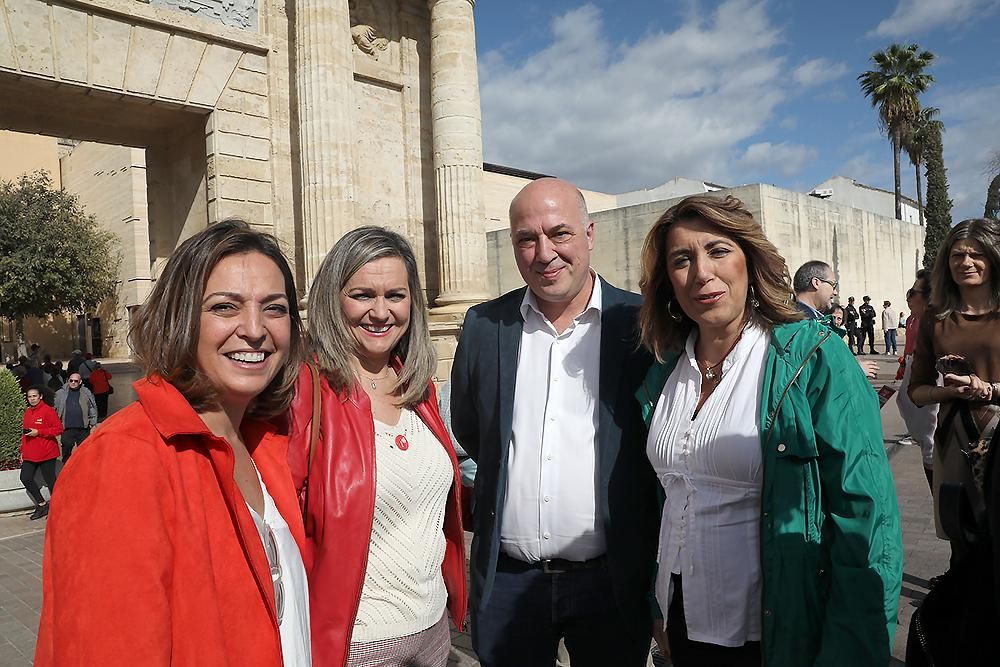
point(152, 557)
point(99, 381)
point(341, 508)
point(41, 447)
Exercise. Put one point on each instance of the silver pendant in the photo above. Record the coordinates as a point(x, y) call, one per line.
point(373, 385)
point(709, 374)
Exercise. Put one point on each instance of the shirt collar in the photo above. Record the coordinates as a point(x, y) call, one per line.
point(752, 334)
point(810, 312)
point(595, 305)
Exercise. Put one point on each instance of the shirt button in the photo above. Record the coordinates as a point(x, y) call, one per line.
point(781, 447)
point(767, 612)
point(546, 535)
point(552, 419)
point(548, 457)
point(546, 498)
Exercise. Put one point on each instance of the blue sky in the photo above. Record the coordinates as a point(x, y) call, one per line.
point(621, 95)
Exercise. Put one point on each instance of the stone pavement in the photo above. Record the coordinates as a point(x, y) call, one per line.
point(21, 543)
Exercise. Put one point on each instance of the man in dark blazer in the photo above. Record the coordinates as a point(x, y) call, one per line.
point(566, 512)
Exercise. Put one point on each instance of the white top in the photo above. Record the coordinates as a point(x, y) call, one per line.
point(551, 504)
point(296, 649)
point(710, 469)
point(890, 320)
point(404, 590)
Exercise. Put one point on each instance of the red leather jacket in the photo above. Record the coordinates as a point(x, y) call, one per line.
point(341, 507)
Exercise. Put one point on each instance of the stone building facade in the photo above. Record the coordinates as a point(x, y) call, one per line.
point(306, 118)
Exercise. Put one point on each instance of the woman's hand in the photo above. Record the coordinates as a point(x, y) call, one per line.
point(660, 635)
point(967, 387)
point(32, 433)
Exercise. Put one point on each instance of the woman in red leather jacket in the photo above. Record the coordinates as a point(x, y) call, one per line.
point(381, 488)
point(39, 449)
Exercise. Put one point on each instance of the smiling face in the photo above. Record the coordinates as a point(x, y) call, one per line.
point(244, 328)
point(708, 273)
point(376, 304)
point(552, 239)
point(34, 398)
point(968, 264)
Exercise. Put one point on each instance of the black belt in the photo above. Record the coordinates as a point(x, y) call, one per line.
point(507, 563)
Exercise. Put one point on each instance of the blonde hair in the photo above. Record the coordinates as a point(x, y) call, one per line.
point(330, 339)
point(767, 272)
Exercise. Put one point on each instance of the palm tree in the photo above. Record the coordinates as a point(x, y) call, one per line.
point(894, 89)
point(915, 138)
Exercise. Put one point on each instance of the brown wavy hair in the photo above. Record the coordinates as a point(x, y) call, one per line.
point(767, 271)
point(164, 332)
point(946, 297)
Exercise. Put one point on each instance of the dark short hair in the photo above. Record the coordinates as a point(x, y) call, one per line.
point(165, 330)
point(802, 281)
point(945, 295)
point(767, 272)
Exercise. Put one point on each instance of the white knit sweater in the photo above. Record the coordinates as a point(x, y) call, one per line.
point(404, 590)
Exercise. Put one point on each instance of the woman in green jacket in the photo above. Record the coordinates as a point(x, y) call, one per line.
point(780, 539)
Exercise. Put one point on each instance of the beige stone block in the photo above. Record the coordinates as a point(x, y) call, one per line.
point(258, 149)
point(224, 143)
point(179, 67)
point(248, 81)
point(237, 123)
point(254, 62)
point(109, 41)
point(30, 30)
point(69, 32)
point(253, 213)
point(228, 187)
point(240, 102)
point(255, 170)
point(7, 59)
point(216, 68)
point(258, 191)
point(149, 47)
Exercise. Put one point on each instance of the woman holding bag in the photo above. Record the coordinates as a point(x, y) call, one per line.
point(381, 490)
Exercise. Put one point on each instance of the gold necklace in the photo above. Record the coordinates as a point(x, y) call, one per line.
point(709, 372)
point(373, 379)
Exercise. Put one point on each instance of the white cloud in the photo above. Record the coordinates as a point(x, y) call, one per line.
point(915, 16)
point(818, 71)
point(620, 116)
point(788, 158)
point(972, 135)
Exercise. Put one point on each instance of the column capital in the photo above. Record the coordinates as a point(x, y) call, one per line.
point(431, 3)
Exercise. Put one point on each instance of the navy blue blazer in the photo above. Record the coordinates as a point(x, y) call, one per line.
point(482, 407)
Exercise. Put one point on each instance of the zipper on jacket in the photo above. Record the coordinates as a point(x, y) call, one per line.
point(824, 335)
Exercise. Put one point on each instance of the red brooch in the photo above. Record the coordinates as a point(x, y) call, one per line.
point(402, 443)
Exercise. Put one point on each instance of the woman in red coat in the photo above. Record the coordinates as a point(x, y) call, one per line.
point(39, 449)
point(382, 494)
point(175, 538)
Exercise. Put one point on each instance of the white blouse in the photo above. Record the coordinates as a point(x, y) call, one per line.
point(710, 467)
point(293, 627)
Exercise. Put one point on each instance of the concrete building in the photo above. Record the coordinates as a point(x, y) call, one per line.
point(870, 253)
point(307, 123)
point(848, 191)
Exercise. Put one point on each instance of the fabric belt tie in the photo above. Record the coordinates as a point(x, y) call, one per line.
point(669, 479)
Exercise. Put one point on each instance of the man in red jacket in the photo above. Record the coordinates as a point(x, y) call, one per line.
point(39, 449)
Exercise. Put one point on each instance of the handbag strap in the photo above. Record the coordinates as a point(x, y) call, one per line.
point(313, 431)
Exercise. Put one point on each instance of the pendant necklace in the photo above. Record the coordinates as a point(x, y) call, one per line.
point(710, 373)
point(373, 379)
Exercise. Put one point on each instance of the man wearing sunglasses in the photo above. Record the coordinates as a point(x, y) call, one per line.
point(77, 409)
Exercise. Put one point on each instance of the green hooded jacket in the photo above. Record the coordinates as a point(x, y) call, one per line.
point(831, 546)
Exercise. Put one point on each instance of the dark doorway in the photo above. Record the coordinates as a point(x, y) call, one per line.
point(96, 337)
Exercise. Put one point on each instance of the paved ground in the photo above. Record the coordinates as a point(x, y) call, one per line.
point(21, 543)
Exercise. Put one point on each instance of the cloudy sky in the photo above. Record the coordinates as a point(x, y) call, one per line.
point(618, 95)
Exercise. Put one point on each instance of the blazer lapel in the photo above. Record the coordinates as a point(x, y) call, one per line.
point(508, 350)
point(615, 339)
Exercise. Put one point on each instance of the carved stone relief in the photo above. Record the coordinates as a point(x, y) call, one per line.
point(367, 29)
point(234, 13)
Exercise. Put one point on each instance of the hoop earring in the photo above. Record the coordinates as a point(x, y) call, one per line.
point(752, 298)
point(674, 316)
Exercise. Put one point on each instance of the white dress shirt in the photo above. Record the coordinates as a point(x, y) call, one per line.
point(710, 469)
point(551, 503)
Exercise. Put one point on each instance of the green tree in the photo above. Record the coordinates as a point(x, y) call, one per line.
point(54, 257)
point(938, 204)
point(993, 192)
point(12, 407)
point(894, 88)
point(915, 145)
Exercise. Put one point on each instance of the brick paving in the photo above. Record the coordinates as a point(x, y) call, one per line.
point(21, 543)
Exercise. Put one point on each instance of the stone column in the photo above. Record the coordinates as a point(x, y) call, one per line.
point(458, 156)
point(324, 76)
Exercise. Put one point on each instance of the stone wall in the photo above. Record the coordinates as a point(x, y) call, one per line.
point(500, 189)
point(23, 153)
point(871, 254)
